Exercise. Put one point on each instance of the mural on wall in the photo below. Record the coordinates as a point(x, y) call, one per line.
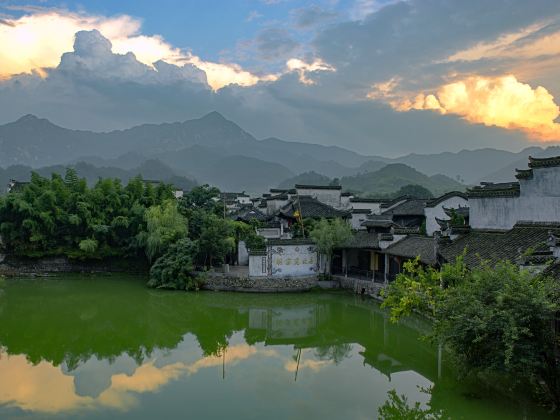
point(289, 260)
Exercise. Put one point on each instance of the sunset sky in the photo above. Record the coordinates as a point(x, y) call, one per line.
point(378, 77)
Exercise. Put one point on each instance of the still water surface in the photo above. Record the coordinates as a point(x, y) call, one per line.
point(107, 347)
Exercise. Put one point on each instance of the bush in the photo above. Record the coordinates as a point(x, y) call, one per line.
point(174, 270)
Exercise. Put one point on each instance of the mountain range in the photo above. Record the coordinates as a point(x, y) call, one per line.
point(215, 150)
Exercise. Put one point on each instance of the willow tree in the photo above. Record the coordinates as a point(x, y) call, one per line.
point(329, 234)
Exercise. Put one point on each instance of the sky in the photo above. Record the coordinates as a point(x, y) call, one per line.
point(379, 77)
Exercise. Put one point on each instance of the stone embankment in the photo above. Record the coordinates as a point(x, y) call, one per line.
point(243, 283)
point(13, 266)
point(224, 282)
point(366, 287)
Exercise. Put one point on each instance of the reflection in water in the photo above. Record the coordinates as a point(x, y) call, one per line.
point(109, 347)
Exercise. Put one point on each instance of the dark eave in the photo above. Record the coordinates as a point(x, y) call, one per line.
point(317, 187)
point(490, 189)
point(446, 196)
point(544, 162)
point(368, 200)
point(524, 173)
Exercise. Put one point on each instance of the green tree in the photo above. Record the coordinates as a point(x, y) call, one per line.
point(498, 322)
point(414, 190)
point(397, 408)
point(175, 269)
point(216, 240)
point(201, 197)
point(165, 225)
point(327, 235)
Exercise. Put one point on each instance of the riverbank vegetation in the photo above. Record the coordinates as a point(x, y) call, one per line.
point(499, 323)
point(62, 216)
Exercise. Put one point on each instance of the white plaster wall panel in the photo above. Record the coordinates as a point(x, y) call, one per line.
point(293, 260)
point(437, 211)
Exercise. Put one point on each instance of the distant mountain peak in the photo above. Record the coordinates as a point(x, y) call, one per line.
point(214, 116)
point(28, 118)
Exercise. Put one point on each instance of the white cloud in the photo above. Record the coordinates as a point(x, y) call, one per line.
point(303, 68)
point(36, 41)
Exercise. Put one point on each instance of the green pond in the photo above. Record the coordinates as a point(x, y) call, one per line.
point(108, 347)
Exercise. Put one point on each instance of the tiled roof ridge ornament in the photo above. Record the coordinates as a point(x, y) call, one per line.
point(553, 240)
point(490, 189)
point(524, 173)
point(545, 162)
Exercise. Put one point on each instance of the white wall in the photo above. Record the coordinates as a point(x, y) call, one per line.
point(242, 254)
point(274, 205)
point(432, 212)
point(270, 233)
point(545, 183)
point(375, 208)
point(293, 260)
point(258, 265)
point(345, 201)
point(505, 212)
point(330, 197)
point(357, 219)
point(538, 201)
point(243, 200)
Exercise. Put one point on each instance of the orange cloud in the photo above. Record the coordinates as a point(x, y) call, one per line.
point(493, 101)
point(505, 46)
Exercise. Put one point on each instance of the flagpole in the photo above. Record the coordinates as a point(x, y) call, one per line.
point(300, 215)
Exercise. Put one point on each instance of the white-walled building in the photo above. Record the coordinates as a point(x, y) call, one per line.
point(534, 197)
point(326, 194)
point(359, 216)
point(435, 209)
point(285, 258)
point(371, 204)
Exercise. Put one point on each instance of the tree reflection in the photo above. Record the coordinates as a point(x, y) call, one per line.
point(335, 352)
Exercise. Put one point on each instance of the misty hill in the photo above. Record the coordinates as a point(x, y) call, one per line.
point(309, 178)
point(92, 173)
point(507, 173)
point(392, 177)
point(37, 142)
point(193, 148)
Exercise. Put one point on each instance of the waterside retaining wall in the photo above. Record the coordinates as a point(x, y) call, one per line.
point(260, 284)
point(11, 265)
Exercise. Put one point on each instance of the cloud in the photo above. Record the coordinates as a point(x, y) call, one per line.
point(363, 8)
point(253, 15)
point(493, 101)
point(37, 41)
point(274, 43)
point(306, 17)
point(303, 68)
point(45, 388)
point(409, 42)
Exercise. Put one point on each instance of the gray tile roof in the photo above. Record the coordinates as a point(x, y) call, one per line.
point(546, 162)
point(415, 246)
point(495, 246)
point(490, 189)
point(311, 208)
point(362, 240)
point(410, 207)
point(378, 220)
point(248, 213)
